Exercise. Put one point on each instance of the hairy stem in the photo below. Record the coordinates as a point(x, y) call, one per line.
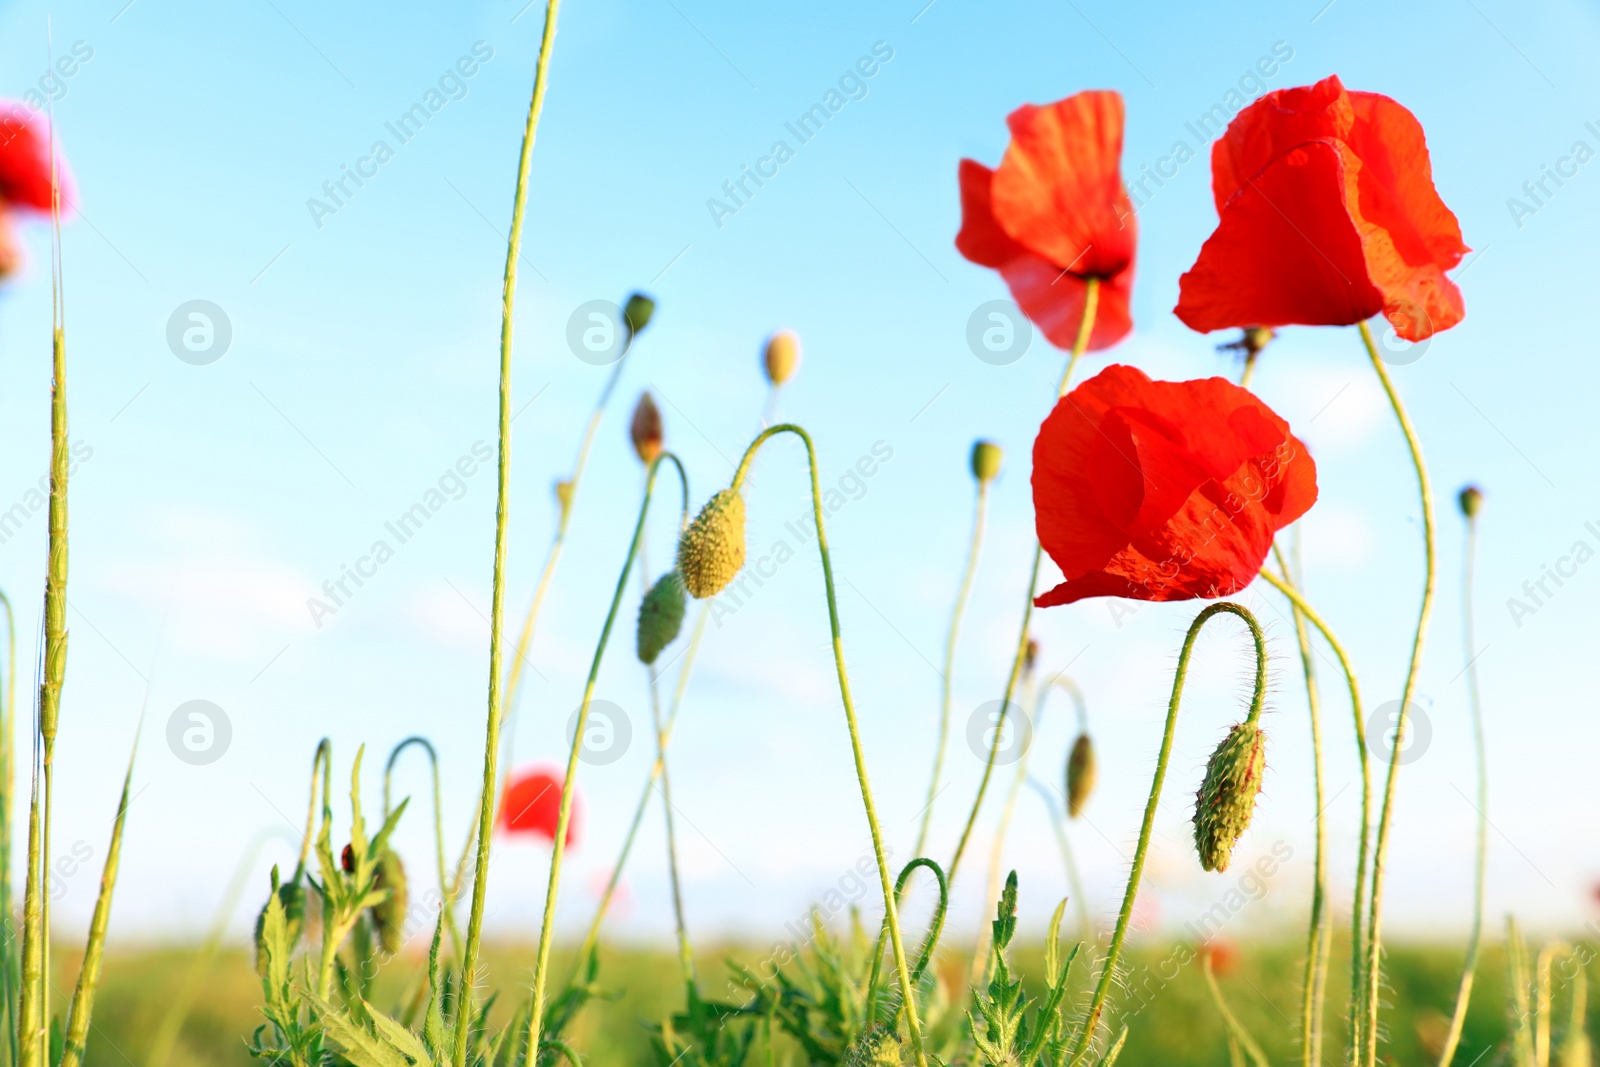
point(438, 823)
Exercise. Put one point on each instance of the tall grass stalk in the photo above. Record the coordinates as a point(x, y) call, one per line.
point(491, 745)
point(1091, 303)
point(10, 962)
point(1374, 947)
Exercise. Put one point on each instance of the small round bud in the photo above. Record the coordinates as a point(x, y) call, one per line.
point(1227, 797)
point(986, 457)
point(645, 429)
point(1081, 773)
point(1471, 500)
point(781, 358)
point(389, 914)
point(711, 549)
point(638, 311)
point(1257, 338)
point(660, 617)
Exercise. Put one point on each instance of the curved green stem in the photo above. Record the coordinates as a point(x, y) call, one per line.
point(929, 942)
point(324, 759)
point(963, 593)
point(491, 745)
point(1386, 813)
point(541, 966)
point(1059, 824)
point(1091, 304)
point(1235, 1028)
point(1469, 968)
point(890, 913)
point(438, 824)
point(1258, 696)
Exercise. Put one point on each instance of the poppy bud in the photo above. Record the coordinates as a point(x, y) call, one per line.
point(637, 312)
point(1470, 499)
point(986, 457)
point(1081, 773)
point(564, 495)
point(781, 358)
point(1227, 797)
point(1030, 655)
point(878, 1048)
point(389, 914)
point(660, 617)
point(711, 549)
point(292, 896)
point(645, 430)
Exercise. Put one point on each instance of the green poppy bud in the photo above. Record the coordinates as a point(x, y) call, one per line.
point(781, 358)
point(389, 914)
point(711, 549)
point(660, 617)
point(1081, 773)
point(645, 429)
point(1470, 499)
point(1227, 797)
point(986, 457)
point(637, 312)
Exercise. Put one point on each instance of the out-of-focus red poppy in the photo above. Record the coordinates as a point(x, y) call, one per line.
point(1327, 216)
point(24, 158)
point(1221, 956)
point(1055, 214)
point(1163, 490)
point(532, 805)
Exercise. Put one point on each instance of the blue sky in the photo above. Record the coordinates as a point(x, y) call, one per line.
point(212, 501)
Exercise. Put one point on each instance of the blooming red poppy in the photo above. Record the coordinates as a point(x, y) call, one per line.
point(532, 805)
point(1327, 216)
point(1055, 214)
point(1163, 490)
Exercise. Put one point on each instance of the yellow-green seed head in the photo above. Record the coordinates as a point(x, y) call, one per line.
point(389, 914)
point(638, 312)
point(781, 358)
point(292, 896)
point(1081, 772)
point(1470, 499)
point(711, 550)
point(879, 1047)
point(986, 457)
point(660, 617)
point(1227, 797)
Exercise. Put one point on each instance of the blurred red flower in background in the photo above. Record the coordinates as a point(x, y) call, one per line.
point(1163, 490)
point(25, 178)
point(1221, 955)
point(1055, 214)
point(1327, 216)
point(532, 805)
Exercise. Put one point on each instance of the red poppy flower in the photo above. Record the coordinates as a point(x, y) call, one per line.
point(532, 805)
point(1163, 490)
point(1327, 216)
point(1055, 214)
point(24, 158)
point(1222, 955)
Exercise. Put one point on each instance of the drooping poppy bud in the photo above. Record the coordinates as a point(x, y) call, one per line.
point(781, 358)
point(389, 914)
point(986, 457)
point(1470, 499)
point(1081, 773)
point(1227, 796)
point(638, 312)
point(292, 896)
point(645, 430)
point(711, 549)
point(660, 617)
point(1030, 656)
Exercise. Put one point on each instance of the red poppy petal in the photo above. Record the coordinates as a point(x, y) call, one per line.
point(25, 179)
point(1397, 191)
point(1059, 188)
point(1285, 251)
point(981, 239)
point(1053, 301)
point(1274, 124)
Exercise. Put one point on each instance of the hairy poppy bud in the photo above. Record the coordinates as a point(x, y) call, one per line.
point(1081, 773)
point(389, 914)
point(638, 312)
point(660, 617)
point(1470, 499)
point(877, 1048)
point(986, 457)
point(1227, 797)
point(292, 896)
point(645, 430)
point(781, 358)
point(711, 550)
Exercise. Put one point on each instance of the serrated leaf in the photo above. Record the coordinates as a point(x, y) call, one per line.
point(356, 1044)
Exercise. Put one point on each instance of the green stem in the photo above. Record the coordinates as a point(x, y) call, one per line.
point(1386, 813)
point(438, 824)
point(1469, 968)
point(564, 817)
point(890, 913)
point(964, 592)
point(324, 759)
point(10, 963)
point(1091, 304)
point(491, 746)
point(929, 942)
point(1120, 934)
point(685, 953)
point(1059, 824)
point(1235, 1028)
